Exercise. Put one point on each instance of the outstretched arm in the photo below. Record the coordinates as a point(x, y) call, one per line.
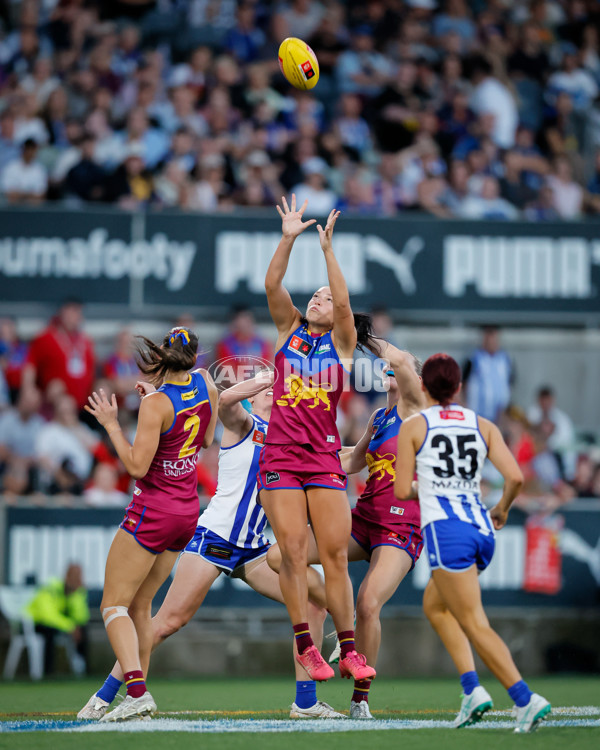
point(409, 383)
point(344, 331)
point(284, 314)
point(410, 437)
point(232, 414)
point(500, 455)
point(355, 460)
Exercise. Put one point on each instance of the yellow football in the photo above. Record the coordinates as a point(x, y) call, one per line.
point(298, 63)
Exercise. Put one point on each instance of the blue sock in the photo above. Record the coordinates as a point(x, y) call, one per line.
point(110, 688)
point(306, 693)
point(469, 682)
point(520, 693)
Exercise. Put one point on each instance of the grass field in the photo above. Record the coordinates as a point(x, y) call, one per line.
point(220, 708)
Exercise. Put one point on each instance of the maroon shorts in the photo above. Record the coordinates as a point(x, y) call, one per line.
point(295, 467)
point(156, 530)
point(370, 534)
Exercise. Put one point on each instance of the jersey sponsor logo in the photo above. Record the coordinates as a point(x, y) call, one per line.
point(189, 395)
point(298, 390)
point(338, 478)
point(396, 510)
point(223, 553)
point(137, 491)
point(258, 438)
point(330, 438)
point(454, 484)
point(302, 347)
point(452, 414)
point(390, 421)
point(324, 348)
point(181, 466)
point(272, 476)
point(396, 538)
point(381, 465)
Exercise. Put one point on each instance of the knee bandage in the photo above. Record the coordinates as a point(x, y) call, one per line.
point(116, 612)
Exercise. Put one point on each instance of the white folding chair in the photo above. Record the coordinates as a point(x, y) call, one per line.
point(13, 600)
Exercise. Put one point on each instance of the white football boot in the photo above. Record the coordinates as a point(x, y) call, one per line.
point(94, 709)
point(530, 716)
point(360, 710)
point(320, 710)
point(132, 708)
point(473, 707)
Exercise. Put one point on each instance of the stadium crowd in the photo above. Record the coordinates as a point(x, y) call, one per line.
point(52, 451)
point(487, 110)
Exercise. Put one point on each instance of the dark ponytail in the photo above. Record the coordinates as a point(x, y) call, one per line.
point(177, 353)
point(366, 340)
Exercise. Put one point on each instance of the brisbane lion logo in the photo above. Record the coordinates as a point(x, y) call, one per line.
point(298, 390)
point(381, 465)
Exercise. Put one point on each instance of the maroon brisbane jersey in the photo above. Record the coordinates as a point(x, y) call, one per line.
point(309, 379)
point(171, 483)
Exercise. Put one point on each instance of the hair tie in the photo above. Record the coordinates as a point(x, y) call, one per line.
point(179, 333)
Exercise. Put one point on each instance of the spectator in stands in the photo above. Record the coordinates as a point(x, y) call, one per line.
point(130, 185)
point(584, 474)
point(542, 208)
point(122, 372)
point(567, 194)
point(13, 355)
point(557, 427)
point(62, 352)
point(85, 180)
point(513, 187)
point(243, 341)
point(456, 19)
point(487, 204)
point(488, 375)
point(103, 491)
point(60, 607)
point(25, 180)
point(313, 187)
point(300, 18)
point(491, 96)
point(361, 69)
point(19, 428)
point(9, 148)
point(245, 40)
point(573, 80)
point(63, 449)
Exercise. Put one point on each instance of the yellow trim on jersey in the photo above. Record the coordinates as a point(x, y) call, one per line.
point(189, 408)
point(181, 382)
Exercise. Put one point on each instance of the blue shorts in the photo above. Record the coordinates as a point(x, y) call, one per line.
point(456, 545)
point(221, 553)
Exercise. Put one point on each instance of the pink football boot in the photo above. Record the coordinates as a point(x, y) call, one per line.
point(316, 667)
point(355, 665)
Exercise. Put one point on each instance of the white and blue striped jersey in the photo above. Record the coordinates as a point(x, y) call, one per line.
point(233, 513)
point(449, 464)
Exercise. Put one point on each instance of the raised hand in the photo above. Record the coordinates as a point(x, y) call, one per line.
point(104, 410)
point(325, 235)
point(291, 220)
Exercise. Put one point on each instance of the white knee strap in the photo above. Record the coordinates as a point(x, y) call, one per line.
point(118, 612)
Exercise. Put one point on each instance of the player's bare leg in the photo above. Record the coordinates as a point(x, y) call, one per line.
point(462, 594)
point(332, 539)
point(446, 626)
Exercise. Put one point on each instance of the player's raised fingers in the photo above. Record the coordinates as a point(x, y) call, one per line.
point(284, 203)
point(279, 211)
point(293, 202)
point(303, 207)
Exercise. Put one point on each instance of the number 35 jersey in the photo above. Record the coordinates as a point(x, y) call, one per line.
point(449, 464)
point(171, 483)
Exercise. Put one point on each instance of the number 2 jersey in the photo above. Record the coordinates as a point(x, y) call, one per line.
point(171, 483)
point(449, 464)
